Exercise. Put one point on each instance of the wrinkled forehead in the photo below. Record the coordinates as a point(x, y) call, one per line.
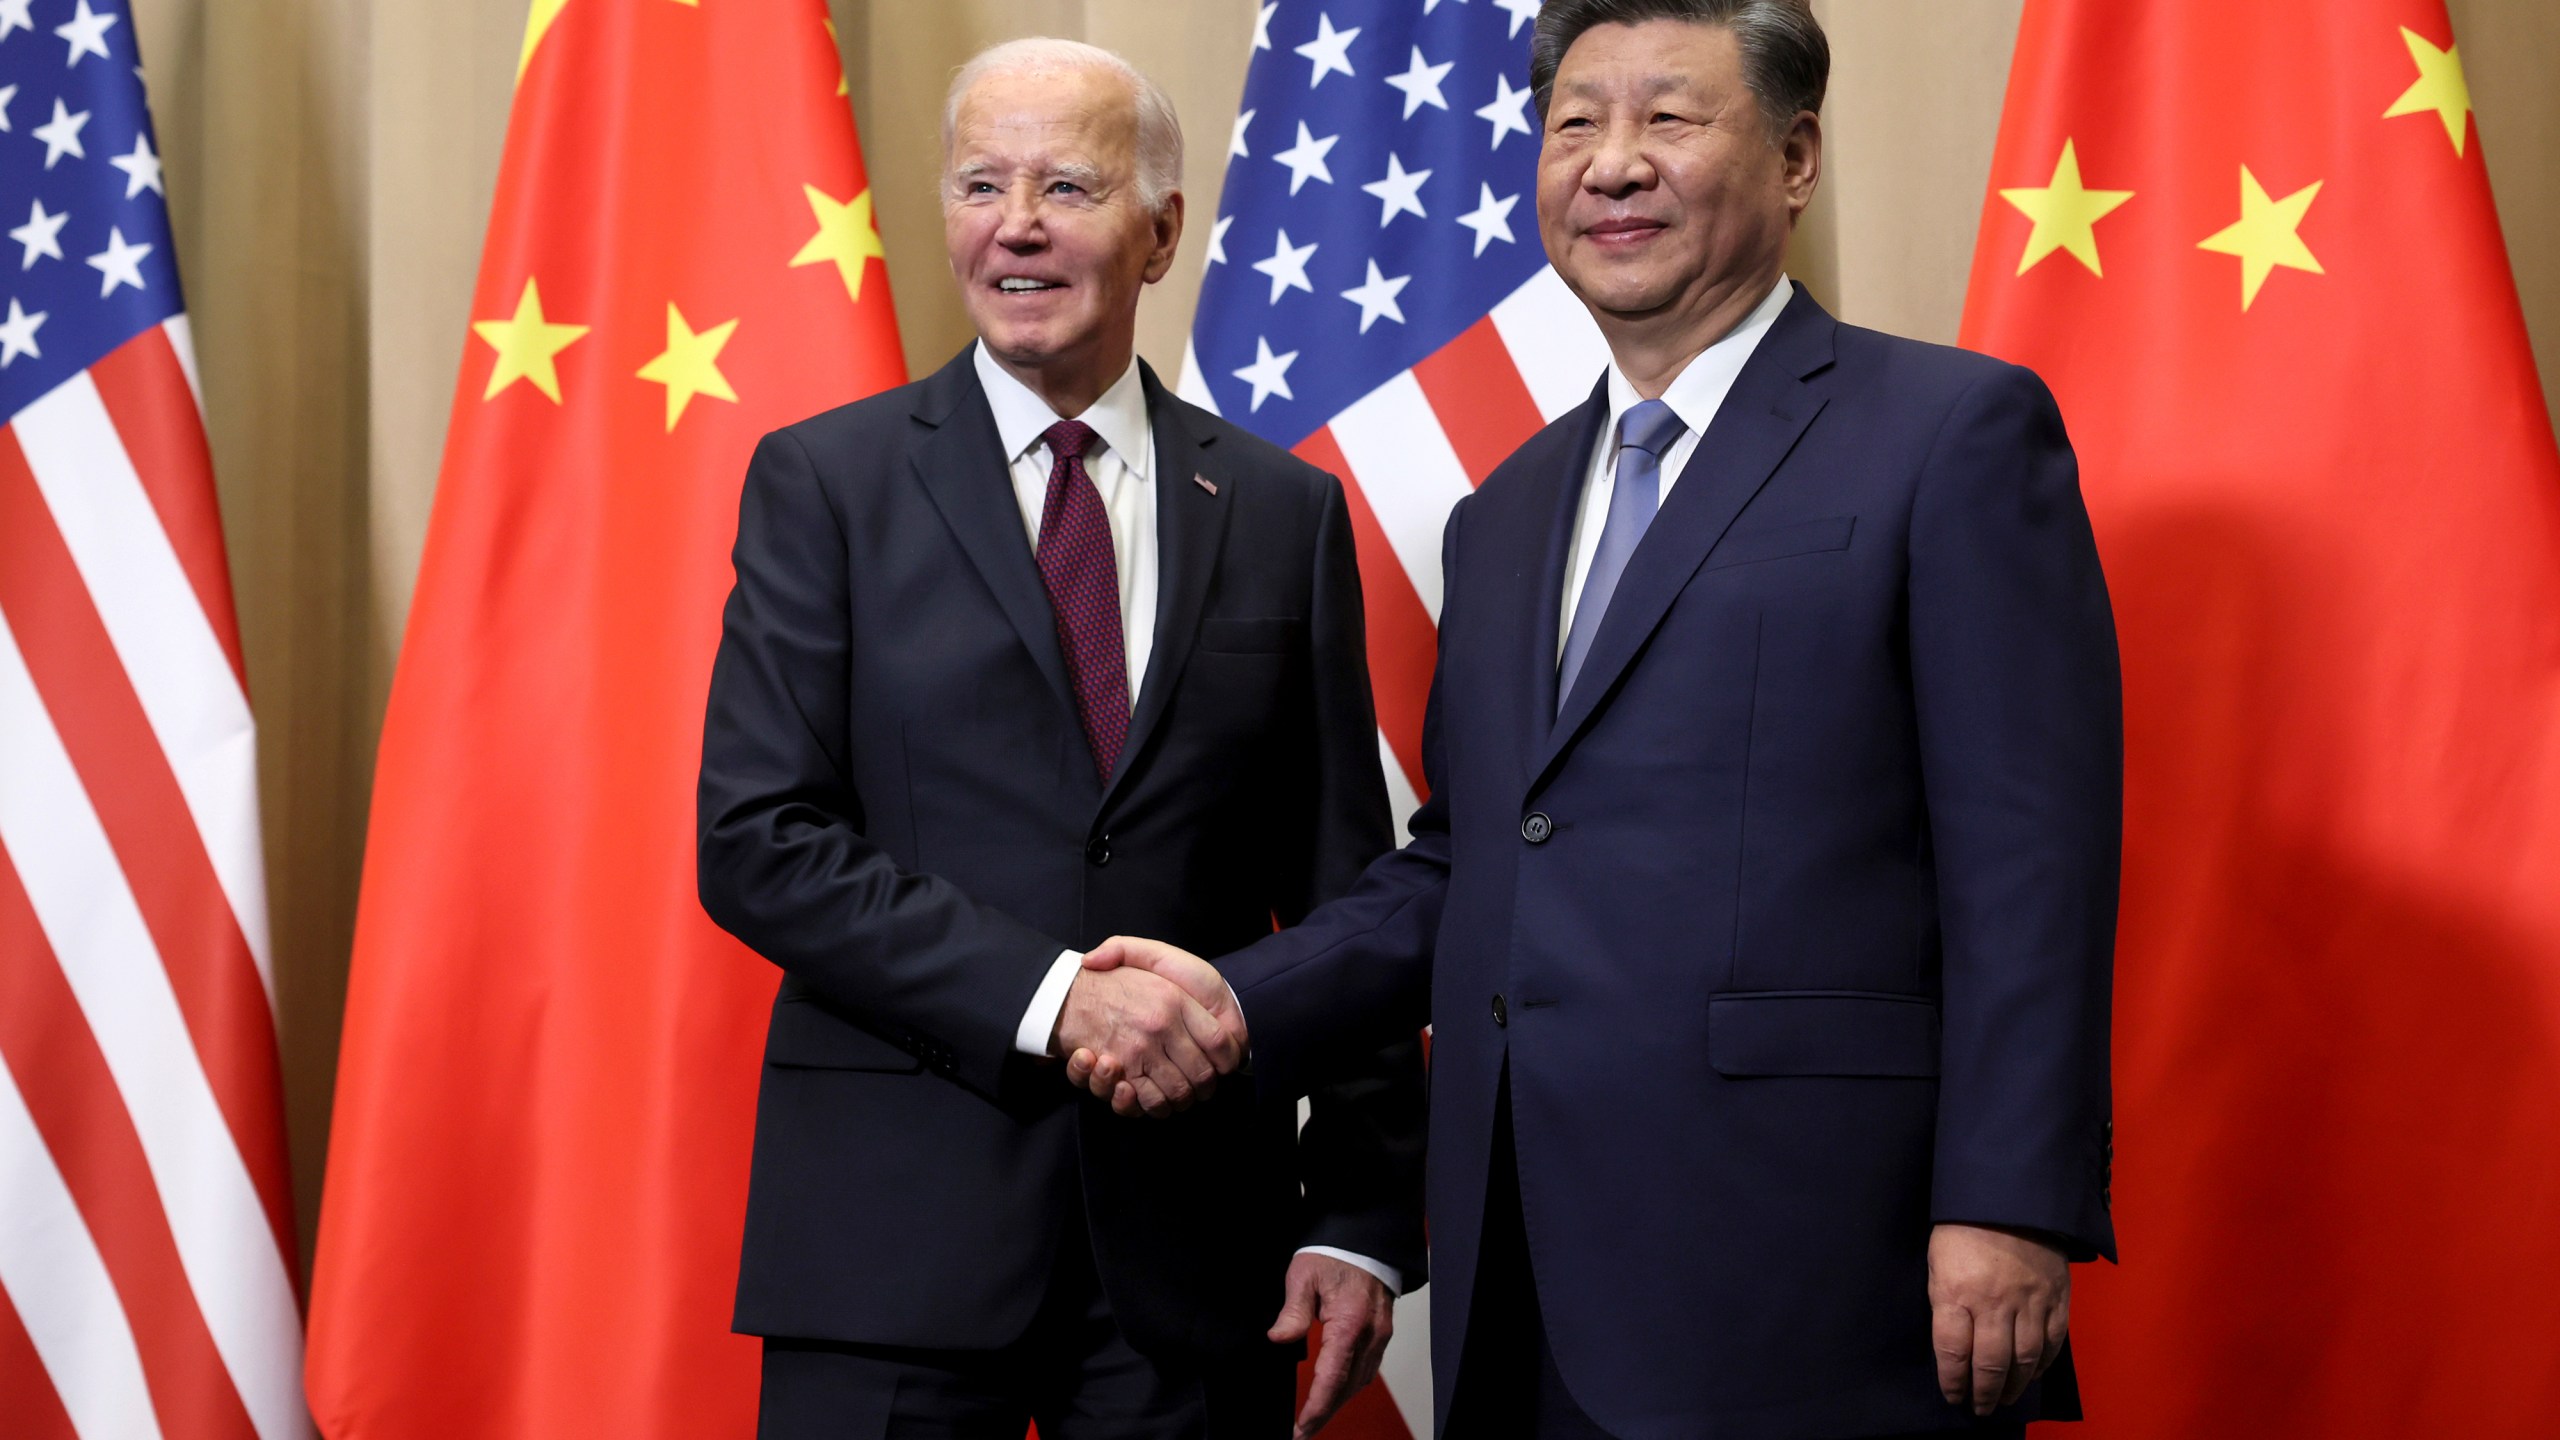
point(1047, 118)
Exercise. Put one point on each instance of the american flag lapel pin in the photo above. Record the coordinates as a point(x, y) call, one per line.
point(1205, 483)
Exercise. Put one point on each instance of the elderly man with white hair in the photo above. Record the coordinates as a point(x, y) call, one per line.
point(1024, 655)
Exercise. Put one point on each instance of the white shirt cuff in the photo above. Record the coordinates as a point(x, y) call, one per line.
point(1040, 1021)
point(1247, 1067)
point(1386, 1273)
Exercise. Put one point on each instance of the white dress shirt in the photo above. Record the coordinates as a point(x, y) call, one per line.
point(1122, 466)
point(1695, 396)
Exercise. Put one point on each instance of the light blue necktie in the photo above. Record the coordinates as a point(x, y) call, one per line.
point(1645, 432)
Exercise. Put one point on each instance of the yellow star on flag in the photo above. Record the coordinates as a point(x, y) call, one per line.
point(2264, 236)
point(537, 23)
point(842, 88)
point(690, 365)
point(2066, 214)
point(2440, 88)
point(526, 346)
point(845, 235)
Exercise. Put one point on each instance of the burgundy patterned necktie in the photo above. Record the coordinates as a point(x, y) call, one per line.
point(1083, 579)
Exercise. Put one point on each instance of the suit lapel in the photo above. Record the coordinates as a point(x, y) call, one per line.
point(961, 465)
point(1556, 469)
point(1191, 527)
point(1761, 419)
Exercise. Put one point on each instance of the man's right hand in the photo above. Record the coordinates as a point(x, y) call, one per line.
point(1128, 1076)
point(1164, 1044)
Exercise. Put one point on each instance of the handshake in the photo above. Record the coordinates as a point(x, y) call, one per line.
point(1149, 1027)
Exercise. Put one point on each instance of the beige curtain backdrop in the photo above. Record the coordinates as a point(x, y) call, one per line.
point(330, 165)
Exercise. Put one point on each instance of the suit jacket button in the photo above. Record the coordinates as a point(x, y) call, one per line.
point(1098, 851)
point(1537, 828)
point(1501, 1012)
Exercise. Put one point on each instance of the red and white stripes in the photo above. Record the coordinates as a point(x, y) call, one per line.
point(146, 1222)
point(1410, 449)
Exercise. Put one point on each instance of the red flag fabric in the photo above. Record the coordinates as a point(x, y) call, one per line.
point(538, 1167)
point(2253, 250)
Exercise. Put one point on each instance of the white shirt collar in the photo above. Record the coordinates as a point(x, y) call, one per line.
point(1023, 418)
point(1699, 390)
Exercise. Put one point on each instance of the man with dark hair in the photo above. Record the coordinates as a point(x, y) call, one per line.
point(1764, 904)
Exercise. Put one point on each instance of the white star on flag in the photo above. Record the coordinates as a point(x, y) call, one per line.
point(1307, 158)
point(61, 135)
point(13, 16)
point(8, 93)
point(1520, 11)
point(1450, 361)
point(1376, 296)
point(1491, 219)
point(1330, 50)
point(1268, 374)
point(18, 335)
point(1262, 25)
point(119, 263)
point(1399, 192)
point(141, 168)
point(1235, 137)
point(1421, 83)
point(1507, 111)
point(87, 33)
point(1218, 240)
point(1287, 268)
point(41, 235)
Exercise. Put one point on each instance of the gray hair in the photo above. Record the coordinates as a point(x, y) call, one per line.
point(1786, 59)
point(1159, 128)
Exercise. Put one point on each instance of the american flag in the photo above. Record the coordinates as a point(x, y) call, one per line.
point(146, 1220)
point(1376, 299)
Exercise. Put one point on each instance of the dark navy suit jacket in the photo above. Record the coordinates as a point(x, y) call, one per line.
point(1793, 926)
point(899, 808)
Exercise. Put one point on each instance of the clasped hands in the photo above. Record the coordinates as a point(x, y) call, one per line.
point(1149, 1027)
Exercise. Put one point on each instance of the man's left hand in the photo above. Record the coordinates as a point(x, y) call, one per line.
point(1999, 1307)
point(1358, 1314)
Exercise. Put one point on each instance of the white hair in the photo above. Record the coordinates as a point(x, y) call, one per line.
point(1159, 128)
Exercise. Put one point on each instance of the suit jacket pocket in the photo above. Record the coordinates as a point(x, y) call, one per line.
point(1276, 636)
point(809, 1035)
point(1822, 1032)
point(1743, 547)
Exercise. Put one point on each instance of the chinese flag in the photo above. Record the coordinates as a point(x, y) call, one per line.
point(538, 1167)
point(2252, 248)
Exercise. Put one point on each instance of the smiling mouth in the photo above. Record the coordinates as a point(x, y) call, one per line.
point(1018, 285)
